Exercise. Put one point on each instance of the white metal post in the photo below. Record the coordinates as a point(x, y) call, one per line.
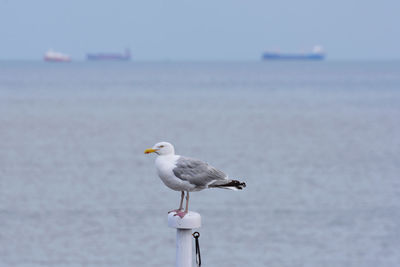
point(184, 228)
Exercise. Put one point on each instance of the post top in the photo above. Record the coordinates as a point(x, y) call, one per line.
point(190, 221)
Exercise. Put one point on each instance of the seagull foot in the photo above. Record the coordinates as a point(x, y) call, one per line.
point(181, 214)
point(176, 211)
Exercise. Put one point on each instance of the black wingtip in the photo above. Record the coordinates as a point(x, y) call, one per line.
point(237, 184)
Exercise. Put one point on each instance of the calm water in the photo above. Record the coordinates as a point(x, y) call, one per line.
point(317, 143)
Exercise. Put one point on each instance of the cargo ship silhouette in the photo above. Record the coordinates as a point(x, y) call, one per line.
point(110, 56)
point(316, 54)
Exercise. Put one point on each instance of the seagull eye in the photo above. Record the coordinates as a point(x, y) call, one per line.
point(161, 146)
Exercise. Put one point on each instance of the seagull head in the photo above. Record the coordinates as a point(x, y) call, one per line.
point(162, 148)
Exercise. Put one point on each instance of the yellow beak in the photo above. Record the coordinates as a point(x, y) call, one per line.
point(149, 150)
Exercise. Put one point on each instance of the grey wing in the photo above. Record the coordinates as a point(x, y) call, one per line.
point(197, 172)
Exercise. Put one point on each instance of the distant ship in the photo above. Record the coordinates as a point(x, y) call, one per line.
point(316, 54)
point(53, 56)
point(110, 56)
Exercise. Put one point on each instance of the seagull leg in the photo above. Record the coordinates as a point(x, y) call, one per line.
point(180, 204)
point(182, 196)
point(183, 213)
point(187, 202)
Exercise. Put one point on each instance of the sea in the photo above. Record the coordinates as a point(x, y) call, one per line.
point(317, 143)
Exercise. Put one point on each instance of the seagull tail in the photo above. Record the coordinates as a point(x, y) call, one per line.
point(230, 184)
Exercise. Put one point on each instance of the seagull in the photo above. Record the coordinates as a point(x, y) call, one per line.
point(186, 174)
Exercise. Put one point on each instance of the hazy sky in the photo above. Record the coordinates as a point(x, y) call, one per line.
point(201, 29)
